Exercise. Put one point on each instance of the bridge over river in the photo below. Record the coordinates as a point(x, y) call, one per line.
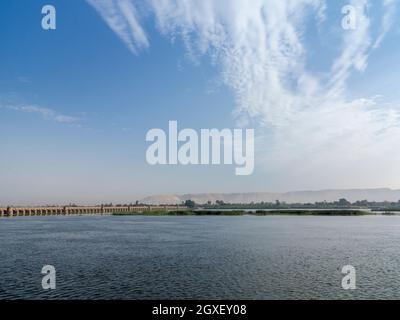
point(84, 210)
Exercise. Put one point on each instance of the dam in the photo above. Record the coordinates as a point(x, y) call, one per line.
point(82, 210)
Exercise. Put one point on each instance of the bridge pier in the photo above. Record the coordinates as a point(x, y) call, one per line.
point(102, 210)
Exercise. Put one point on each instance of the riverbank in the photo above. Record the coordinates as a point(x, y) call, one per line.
point(183, 213)
point(244, 212)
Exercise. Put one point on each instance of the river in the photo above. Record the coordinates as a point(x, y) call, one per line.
point(245, 257)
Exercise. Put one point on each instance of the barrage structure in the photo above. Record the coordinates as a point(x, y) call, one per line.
point(81, 210)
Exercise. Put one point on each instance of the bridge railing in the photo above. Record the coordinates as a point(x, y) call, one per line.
point(81, 210)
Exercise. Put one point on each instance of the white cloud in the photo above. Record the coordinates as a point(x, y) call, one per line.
point(44, 112)
point(308, 125)
point(354, 55)
point(387, 20)
point(121, 17)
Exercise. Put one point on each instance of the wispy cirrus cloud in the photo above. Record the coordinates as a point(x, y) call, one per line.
point(44, 112)
point(305, 117)
point(121, 16)
point(387, 20)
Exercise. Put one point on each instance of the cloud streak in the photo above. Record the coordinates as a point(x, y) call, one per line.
point(45, 113)
point(390, 7)
point(121, 16)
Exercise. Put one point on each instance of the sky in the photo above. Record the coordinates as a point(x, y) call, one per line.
point(76, 102)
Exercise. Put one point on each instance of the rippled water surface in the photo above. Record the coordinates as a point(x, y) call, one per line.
point(200, 257)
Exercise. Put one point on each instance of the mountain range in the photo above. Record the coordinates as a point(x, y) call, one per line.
point(382, 194)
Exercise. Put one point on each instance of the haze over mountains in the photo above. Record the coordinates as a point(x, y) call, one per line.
point(352, 195)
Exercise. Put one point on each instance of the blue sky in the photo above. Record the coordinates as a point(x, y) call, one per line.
point(76, 102)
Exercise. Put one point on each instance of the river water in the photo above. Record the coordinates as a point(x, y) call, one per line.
point(245, 257)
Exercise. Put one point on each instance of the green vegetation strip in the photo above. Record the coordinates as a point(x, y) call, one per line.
point(242, 212)
point(313, 212)
point(181, 213)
